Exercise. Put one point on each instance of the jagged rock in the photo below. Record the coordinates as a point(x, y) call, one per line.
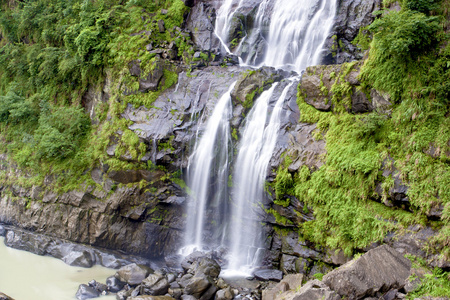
point(319, 268)
point(317, 83)
point(135, 68)
point(379, 270)
point(396, 195)
point(161, 26)
point(293, 246)
point(381, 101)
point(114, 284)
point(360, 103)
point(82, 258)
point(102, 288)
point(155, 284)
point(2, 231)
point(251, 84)
point(207, 266)
point(224, 294)
point(351, 16)
point(236, 29)
point(86, 292)
point(305, 150)
point(184, 280)
point(336, 257)
point(200, 24)
point(315, 290)
point(151, 81)
point(266, 275)
point(198, 285)
point(133, 274)
point(287, 264)
point(284, 289)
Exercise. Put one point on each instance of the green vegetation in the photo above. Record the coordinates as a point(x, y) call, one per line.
point(409, 61)
point(433, 282)
point(51, 52)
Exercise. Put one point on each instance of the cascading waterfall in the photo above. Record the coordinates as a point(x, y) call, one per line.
point(255, 151)
point(208, 178)
point(292, 35)
point(296, 34)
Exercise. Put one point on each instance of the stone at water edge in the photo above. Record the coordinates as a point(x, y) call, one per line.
point(133, 274)
point(86, 292)
point(114, 284)
point(269, 274)
point(379, 270)
point(225, 294)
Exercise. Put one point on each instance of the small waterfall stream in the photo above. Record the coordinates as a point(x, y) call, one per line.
point(208, 178)
point(255, 151)
point(292, 36)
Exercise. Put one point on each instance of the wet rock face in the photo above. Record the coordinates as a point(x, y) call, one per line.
point(128, 219)
point(351, 16)
point(200, 23)
point(169, 128)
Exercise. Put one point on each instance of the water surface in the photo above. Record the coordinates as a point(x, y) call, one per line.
point(25, 276)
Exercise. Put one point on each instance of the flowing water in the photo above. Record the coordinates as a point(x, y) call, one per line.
point(255, 151)
point(208, 179)
point(25, 276)
point(293, 32)
point(287, 34)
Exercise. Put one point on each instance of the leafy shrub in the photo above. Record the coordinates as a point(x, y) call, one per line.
point(15, 108)
point(60, 132)
point(423, 6)
point(399, 39)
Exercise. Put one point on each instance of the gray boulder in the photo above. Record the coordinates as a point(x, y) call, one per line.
point(79, 257)
point(155, 284)
point(379, 270)
point(114, 284)
point(86, 292)
point(133, 274)
point(316, 290)
point(200, 24)
point(198, 285)
point(266, 275)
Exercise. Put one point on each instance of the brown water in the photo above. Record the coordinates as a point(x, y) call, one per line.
point(27, 276)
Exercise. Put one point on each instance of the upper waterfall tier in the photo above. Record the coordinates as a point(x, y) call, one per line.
point(285, 34)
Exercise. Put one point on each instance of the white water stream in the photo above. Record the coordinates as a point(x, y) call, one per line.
point(25, 276)
point(296, 34)
point(208, 178)
point(287, 34)
point(256, 147)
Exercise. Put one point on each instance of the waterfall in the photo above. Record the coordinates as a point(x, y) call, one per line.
point(287, 34)
point(296, 34)
point(255, 151)
point(208, 179)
